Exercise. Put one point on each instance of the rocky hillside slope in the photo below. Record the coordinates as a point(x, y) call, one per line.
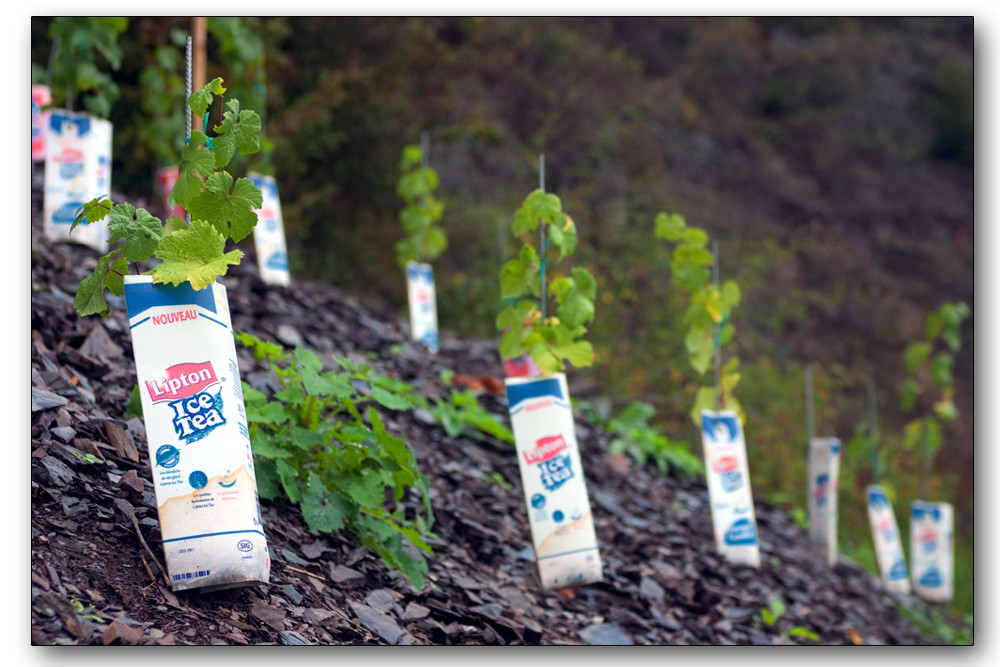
point(95, 541)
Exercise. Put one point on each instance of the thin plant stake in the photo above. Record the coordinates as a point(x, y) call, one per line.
point(718, 326)
point(541, 231)
point(873, 428)
point(187, 109)
point(810, 419)
point(424, 147)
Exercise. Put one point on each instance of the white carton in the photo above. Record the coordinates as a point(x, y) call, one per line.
point(932, 550)
point(423, 304)
point(728, 477)
point(269, 234)
point(199, 445)
point(77, 169)
point(888, 546)
point(562, 525)
point(824, 472)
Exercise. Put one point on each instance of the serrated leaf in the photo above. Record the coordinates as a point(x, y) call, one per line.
point(579, 353)
point(231, 208)
point(520, 275)
point(194, 255)
point(288, 476)
point(197, 163)
point(669, 226)
point(239, 132)
point(140, 230)
point(320, 513)
point(264, 446)
point(202, 98)
point(93, 211)
point(89, 299)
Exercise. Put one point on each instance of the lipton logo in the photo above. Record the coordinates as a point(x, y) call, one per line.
point(182, 381)
point(545, 449)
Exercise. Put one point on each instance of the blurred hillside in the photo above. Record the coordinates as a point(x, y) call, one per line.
point(832, 160)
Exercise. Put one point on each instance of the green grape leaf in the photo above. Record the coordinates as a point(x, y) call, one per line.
point(140, 230)
point(93, 211)
point(89, 299)
point(240, 131)
point(230, 208)
point(202, 98)
point(579, 353)
point(197, 163)
point(669, 226)
point(194, 255)
point(520, 274)
point(941, 369)
point(915, 355)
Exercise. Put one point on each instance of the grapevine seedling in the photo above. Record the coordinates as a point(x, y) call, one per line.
point(421, 214)
point(222, 208)
point(551, 341)
point(707, 315)
point(929, 382)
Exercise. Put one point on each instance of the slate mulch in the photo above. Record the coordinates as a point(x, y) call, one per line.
point(96, 573)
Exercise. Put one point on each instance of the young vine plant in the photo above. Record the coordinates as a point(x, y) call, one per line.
point(708, 313)
point(557, 338)
point(421, 214)
point(222, 208)
point(929, 388)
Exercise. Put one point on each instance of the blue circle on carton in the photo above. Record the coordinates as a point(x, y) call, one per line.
point(538, 501)
point(167, 456)
point(198, 480)
point(558, 516)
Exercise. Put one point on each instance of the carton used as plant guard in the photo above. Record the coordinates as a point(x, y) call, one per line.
point(269, 233)
point(559, 514)
point(196, 428)
point(728, 478)
point(423, 304)
point(932, 554)
point(824, 472)
point(888, 546)
point(77, 170)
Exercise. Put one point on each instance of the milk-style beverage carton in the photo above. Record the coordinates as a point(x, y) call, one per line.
point(269, 233)
point(555, 491)
point(77, 169)
point(196, 427)
point(41, 97)
point(824, 472)
point(423, 304)
point(888, 546)
point(932, 554)
point(728, 477)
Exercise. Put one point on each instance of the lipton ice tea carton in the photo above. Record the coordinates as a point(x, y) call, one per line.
point(269, 233)
point(562, 526)
point(824, 471)
point(888, 546)
point(423, 304)
point(199, 445)
point(728, 477)
point(77, 169)
point(932, 550)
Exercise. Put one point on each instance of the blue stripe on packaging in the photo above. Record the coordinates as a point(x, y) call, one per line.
point(140, 297)
point(516, 393)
